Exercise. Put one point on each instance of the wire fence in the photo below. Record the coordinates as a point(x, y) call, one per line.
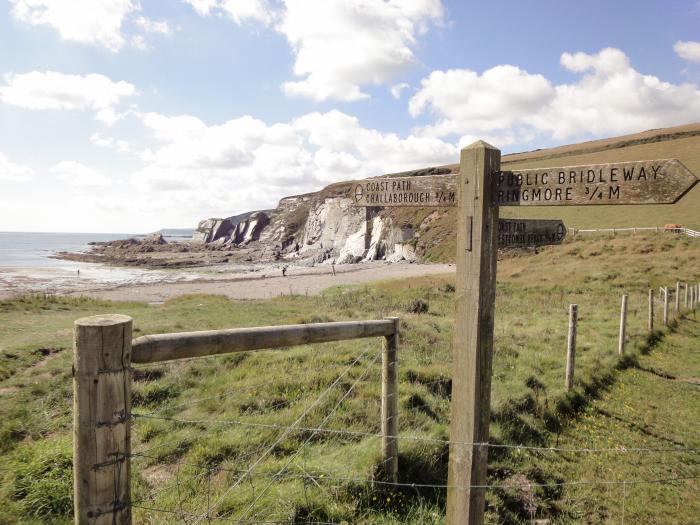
point(239, 486)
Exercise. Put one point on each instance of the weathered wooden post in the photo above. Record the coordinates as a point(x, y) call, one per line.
point(665, 305)
point(651, 310)
point(101, 420)
point(477, 242)
point(678, 297)
point(685, 295)
point(623, 326)
point(390, 402)
point(571, 347)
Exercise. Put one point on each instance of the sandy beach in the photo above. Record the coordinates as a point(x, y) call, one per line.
point(257, 282)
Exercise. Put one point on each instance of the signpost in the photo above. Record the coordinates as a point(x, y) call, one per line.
point(477, 192)
point(644, 182)
point(530, 232)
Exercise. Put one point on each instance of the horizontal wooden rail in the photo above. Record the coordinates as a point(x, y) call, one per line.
point(166, 347)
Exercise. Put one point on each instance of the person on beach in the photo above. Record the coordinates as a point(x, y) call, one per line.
point(333, 266)
point(284, 271)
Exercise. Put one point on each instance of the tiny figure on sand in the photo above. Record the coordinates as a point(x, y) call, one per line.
point(284, 271)
point(333, 266)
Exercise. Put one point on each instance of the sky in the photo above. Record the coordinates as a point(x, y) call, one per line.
point(131, 116)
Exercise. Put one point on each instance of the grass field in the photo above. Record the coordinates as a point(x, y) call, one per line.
point(199, 424)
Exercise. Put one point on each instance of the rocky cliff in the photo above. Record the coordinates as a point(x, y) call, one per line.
point(323, 226)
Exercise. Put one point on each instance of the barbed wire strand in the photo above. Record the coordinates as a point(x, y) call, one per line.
point(360, 433)
point(306, 442)
point(288, 430)
point(624, 483)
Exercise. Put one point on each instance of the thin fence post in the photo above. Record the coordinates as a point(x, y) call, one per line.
point(101, 420)
point(623, 326)
point(685, 293)
point(678, 297)
point(691, 299)
point(665, 305)
point(651, 310)
point(390, 404)
point(571, 346)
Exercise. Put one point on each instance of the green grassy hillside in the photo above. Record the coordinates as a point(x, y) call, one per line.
point(685, 147)
point(435, 241)
point(201, 423)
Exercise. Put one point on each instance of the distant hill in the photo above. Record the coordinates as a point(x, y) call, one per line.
point(680, 142)
point(436, 242)
point(176, 232)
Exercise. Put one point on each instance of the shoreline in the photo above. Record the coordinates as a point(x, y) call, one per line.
point(157, 286)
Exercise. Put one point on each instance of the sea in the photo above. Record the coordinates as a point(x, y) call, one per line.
point(27, 265)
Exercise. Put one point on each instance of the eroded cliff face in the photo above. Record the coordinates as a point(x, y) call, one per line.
point(323, 227)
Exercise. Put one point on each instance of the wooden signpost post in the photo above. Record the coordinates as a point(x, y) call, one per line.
point(477, 192)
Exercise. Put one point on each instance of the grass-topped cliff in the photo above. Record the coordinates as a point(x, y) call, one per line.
point(646, 400)
point(683, 142)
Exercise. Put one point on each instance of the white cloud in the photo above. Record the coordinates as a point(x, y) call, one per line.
point(505, 102)
point(160, 27)
point(57, 91)
point(96, 22)
point(339, 45)
point(77, 174)
point(346, 44)
point(240, 11)
point(470, 103)
point(121, 146)
point(245, 163)
point(688, 50)
point(397, 89)
point(11, 172)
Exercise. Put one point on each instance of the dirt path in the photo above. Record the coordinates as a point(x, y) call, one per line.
point(297, 281)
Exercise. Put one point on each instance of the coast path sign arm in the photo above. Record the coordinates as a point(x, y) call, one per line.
point(641, 182)
point(440, 191)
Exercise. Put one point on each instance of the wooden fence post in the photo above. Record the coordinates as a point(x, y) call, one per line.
point(678, 297)
point(472, 347)
point(571, 347)
point(623, 326)
point(685, 294)
point(390, 403)
point(665, 305)
point(651, 310)
point(101, 420)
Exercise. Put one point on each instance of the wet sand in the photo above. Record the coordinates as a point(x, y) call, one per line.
point(250, 283)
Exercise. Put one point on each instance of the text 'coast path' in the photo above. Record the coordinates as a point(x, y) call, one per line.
point(641, 182)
